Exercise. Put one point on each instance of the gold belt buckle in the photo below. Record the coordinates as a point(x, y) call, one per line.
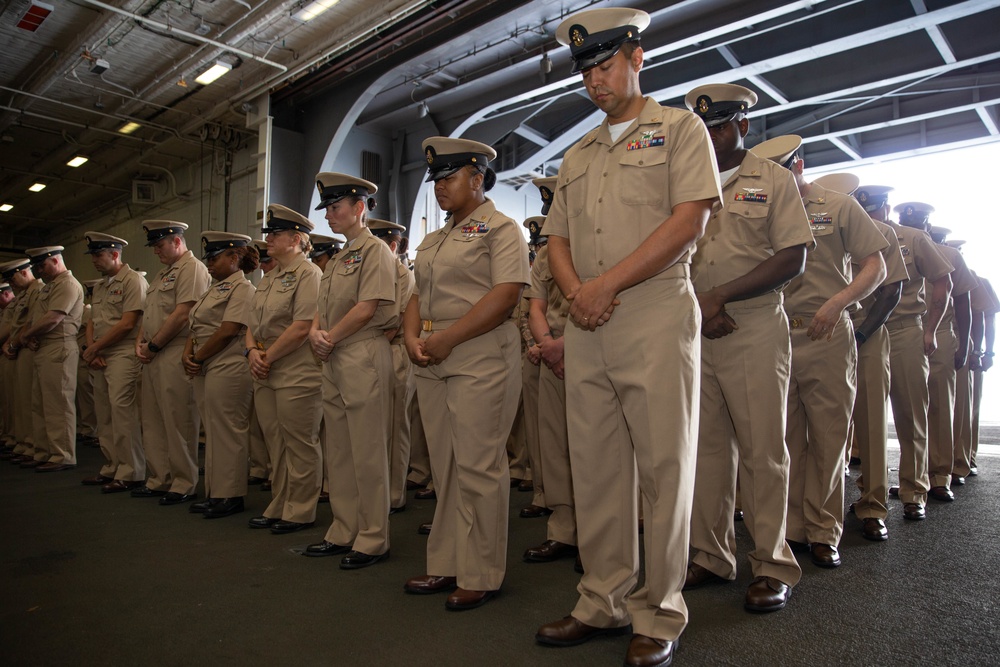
point(428, 325)
point(796, 323)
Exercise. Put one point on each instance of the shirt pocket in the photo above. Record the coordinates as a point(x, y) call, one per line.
point(462, 251)
point(643, 179)
point(821, 230)
point(750, 221)
point(575, 187)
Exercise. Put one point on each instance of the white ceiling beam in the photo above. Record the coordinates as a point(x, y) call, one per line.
point(531, 135)
point(845, 147)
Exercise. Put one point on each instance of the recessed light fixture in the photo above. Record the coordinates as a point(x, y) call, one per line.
point(129, 128)
point(37, 187)
point(5, 207)
point(77, 161)
point(213, 72)
point(310, 10)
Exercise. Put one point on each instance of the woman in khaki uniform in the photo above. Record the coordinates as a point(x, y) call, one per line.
point(286, 376)
point(213, 358)
point(357, 303)
point(458, 332)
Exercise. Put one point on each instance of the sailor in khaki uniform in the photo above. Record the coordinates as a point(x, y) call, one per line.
point(980, 300)
point(754, 243)
point(912, 339)
point(117, 305)
point(459, 334)
point(632, 200)
point(213, 359)
point(402, 387)
point(552, 476)
point(357, 305)
point(86, 412)
point(169, 415)
point(824, 358)
point(323, 248)
point(951, 354)
point(870, 419)
point(6, 375)
point(28, 287)
point(52, 334)
point(983, 336)
point(260, 464)
point(287, 378)
point(522, 442)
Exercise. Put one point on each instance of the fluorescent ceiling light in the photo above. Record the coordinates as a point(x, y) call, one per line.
point(37, 187)
point(77, 161)
point(213, 73)
point(129, 128)
point(5, 207)
point(310, 10)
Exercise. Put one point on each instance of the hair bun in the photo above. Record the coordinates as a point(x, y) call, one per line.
point(489, 179)
point(371, 203)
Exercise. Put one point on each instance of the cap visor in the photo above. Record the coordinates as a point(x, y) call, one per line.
point(593, 60)
point(443, 173)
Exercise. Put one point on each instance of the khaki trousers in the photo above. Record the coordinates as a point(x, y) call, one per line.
point(420, 461)
point(963, 420)
point(530, 374)
point(289, 405)
point(517, 440)
point(977, 399)
point(553, 473)
point(820, 402)
point(744, 390)
point(55, 370)
point(908, 370)
point(86, 413)
point(941, 410)
point(224, 394)
point(260, 464)
point(871, 426)
point(467, 404)
point(39, 441)
point(399, 429)
point(9, 391)
point(24, 421)
point(631, 399)
point(357, 412)
point(116, 398)
point(170, 423)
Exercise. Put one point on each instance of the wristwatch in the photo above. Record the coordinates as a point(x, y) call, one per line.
point(153, 347)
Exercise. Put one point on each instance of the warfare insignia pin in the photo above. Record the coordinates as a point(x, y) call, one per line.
point(430, 155)
point(909, 211)
point(863, 197)
point(703, 103)
point(577, 36)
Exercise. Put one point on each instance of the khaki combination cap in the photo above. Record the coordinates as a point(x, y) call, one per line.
point(534, 226)
point(5, 287)
point(445, 156)
point(262, 250)
point(546, 188)
point(213, 243)
point(595, 35)
point(385, 228)
point(779, 149)
point(157, 229)
point(281, 218)
point(872, 197)
point(913, 210)
point(333, 187)
point(8, 269)
point(842, 182)
point(324, 245)
point(96, 242)
point(38, 255)
point(719, 103)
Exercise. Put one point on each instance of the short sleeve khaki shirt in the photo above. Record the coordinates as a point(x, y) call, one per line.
point(895, 269)
point(923, 262)
point(284, 296)
point(543, 286)
point(122, 293)
point(63, 295)
point(183, 281)
point(962, 282)
point(364, 271)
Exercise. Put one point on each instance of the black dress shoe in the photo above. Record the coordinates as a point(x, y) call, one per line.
point(894, 491)
point(797, 547)
point(914, 512)
point(174, 498)
point(262, 522)
point(425, 494)
point(397, 510)
point(698, 576)
point(737, 515)
point(824, 555)
point(548, 551)
point(941, 493)
point(424, 529)
point(325, 548)
point(198, 508)
point(32, 464)
point(146, 492)
point(571, 632)
point(855, 461)
point(413, 486)
point(253, 481)
point(225, 507)
point(265, 485)
point(534, 512)
point(874, 529)
point(767, 594)
point(54, 467)
point(355, 560)
point(283, 527)
point(120, 485)
point(514, 481)
point(526, 485)
point(96, 480)
point(649, 652)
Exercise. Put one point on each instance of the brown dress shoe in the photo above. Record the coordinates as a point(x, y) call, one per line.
point(646, 651)
point(120, 485)
point(914, 512)
point(824, 555)
point(534, 512)
point(32, 464)
point(942, 493)
point(874, 529)
point(570, 632)
point(54, 467)
point(767, 594)
point(425, 494)
point(97, 480)
point(548, 551)
point(526, 485)
point(427, 583)
point(699, 576)
point(462, 599)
